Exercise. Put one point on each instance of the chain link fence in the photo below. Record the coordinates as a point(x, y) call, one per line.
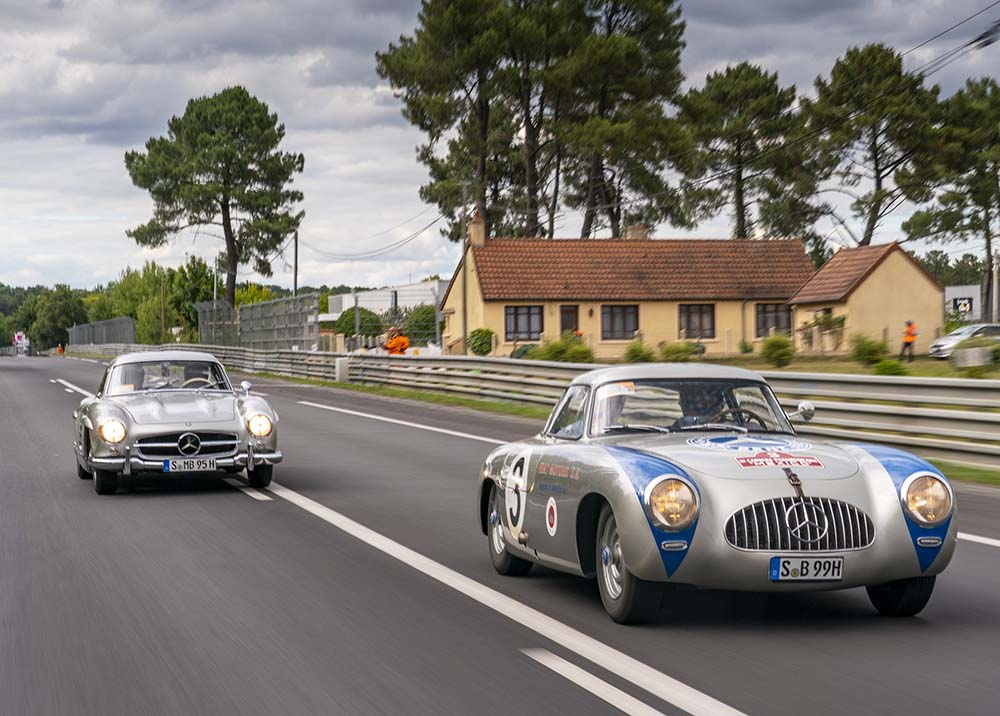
point(113, 330)
point(281, 324)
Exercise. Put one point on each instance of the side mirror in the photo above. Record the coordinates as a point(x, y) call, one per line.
point(246, 386)
point(805, 411)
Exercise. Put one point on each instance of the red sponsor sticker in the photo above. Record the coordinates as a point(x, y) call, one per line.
point(779, 459)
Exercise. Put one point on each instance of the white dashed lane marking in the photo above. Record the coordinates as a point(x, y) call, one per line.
point(247, 490)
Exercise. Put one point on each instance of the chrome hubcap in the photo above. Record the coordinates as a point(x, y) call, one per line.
point(612, 565)
point(496, 531)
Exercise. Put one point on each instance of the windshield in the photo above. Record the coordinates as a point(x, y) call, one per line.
point(963, 331)
point(681, 405)
point(166, 375)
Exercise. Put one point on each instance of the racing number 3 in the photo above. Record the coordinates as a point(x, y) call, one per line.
point(515, 494)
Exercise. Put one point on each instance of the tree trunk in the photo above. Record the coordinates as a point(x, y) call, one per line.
point(876, 207)
point(594, 175)
point(739, 198)
point(555, 193)
point(988, 287)
point(232, 254)
point(483, 112)
point(531, 225)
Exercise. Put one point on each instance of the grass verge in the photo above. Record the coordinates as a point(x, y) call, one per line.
point(502, 407)
point(965, 473)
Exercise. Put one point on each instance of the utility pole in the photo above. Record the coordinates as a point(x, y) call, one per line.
point(996, 293)
point(357, 320)
point(215, 296)
point(163, 309)
point(465, 270)
point(295, 271)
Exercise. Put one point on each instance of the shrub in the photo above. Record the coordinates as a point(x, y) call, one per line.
point(639, 352)
point(419, 325)
point(746, 347)
point(678, 352)
point(890, 367)
point(481, 342)
point(996, 354)
point(980, 342)
point(778, 350)
point(568, 349)
point(523, 350)
point(866, 351)
point(371, 324)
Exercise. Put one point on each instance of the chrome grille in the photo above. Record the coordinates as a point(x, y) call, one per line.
point(165, 446)
point(761, 527)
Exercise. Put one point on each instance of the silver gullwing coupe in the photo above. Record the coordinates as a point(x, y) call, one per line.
point(173, 412)
point(693, 474)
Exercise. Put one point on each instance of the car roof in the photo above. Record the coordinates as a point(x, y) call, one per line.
point(665, 371)
point(160, 356)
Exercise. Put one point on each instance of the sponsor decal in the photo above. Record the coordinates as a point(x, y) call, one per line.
point(557, 470)
point(551, 517)
point(778, 459)
point(749, 444)
point(553, 488)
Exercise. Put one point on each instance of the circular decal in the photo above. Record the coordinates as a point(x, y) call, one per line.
point(515, 483)
point(551, 517)
point(745, 444)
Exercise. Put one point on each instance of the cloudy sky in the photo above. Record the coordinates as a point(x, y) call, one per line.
point(82, 81)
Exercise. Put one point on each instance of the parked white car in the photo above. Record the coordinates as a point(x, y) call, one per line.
point(943, 347)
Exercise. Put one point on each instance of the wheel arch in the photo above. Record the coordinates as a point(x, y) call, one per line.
point(587, 514)
point(486, 487)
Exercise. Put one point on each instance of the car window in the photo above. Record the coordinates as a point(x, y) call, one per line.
point(568, 422)
point(993, 330)
point(166, 375)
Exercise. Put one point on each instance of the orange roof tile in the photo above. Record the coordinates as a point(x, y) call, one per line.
point(839, 276)
point(651, 269)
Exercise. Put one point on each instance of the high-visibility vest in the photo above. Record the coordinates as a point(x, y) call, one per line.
point(910, 334)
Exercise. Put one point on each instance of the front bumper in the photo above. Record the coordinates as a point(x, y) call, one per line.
point(128, 463)
point(940, 352)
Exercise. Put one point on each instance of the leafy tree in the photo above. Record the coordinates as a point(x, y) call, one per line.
point(220, 166)
point(964, 271)
point(253, 293)
point(740, 122)
point(54, 313)
point(192, 283)
point(99, 306)
point(371, 324)
point(143, 295)
point(966, 204)
point(878, 130)
point(419, 324)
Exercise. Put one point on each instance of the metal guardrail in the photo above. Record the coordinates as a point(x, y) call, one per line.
point(947, 418)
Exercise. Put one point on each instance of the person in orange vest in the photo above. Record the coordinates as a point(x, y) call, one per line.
point(396, 342)
point(59, 349)
point(909, 338)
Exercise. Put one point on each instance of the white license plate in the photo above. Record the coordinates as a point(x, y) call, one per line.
point(806, 569)
point(191, 464)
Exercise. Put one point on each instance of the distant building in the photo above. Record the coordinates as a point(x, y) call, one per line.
point(385, 299)
point(964, 302)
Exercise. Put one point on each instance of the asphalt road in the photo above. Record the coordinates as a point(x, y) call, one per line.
point(360, 584)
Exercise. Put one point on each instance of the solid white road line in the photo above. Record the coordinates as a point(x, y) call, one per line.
point(418, 426)
point(645, 677)
point(585, 680)
point(981, 540)
point(52, 380)
point(246, 490)
point(75, 388)
point(90, 360)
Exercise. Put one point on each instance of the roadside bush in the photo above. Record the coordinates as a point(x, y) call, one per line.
point(481, 341)
point(996, 354)
point(639, 352)
point(371, 324)
point(678, 352)
point(523, 350)
point(746, 347)
point(568, 349)
point(866, 351)
point(890, 367)
point(778, 350)
point(419, 325)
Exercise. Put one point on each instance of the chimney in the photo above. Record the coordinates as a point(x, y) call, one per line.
point(636, 232)
point(477, 229)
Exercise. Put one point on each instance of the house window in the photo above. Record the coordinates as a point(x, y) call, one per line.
point(619, 322)
point(523, 323)
point(569, 319)
point(773, 318)
point(697, 320)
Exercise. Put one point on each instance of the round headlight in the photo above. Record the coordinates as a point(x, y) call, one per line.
point(259, 425)
point(112, 431)
point(927, 499)
point(672, 503)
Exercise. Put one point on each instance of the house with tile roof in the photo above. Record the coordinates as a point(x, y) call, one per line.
point(718, 292)
point(871, 290)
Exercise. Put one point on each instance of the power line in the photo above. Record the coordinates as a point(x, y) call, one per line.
point(381, 251)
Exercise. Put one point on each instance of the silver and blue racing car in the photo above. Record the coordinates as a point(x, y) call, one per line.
point(693, 474)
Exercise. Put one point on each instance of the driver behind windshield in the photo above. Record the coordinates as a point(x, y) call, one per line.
point(197, 374)
point(699, 406)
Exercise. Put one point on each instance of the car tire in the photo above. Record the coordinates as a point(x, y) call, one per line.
point(233, 470)
point(105, 482)
point(626, 598)
point(503, 561)
point(903, 598)
point(81, 473)
point(260, 476)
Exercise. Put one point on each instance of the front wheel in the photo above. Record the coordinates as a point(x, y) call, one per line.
point(503, 561)
point(105, 482)
point(627, 599)
point(260, 476)
point(903, 598)
point(81, 473)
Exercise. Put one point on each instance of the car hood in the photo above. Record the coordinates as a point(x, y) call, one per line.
point(747, 457)
point(178, 406)
point(948, 341)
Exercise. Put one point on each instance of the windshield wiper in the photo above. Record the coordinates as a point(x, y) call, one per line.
point(646, 428)
point(716, 426)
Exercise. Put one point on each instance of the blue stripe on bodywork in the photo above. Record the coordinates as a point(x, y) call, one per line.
point(900, 465)
point(641, 468)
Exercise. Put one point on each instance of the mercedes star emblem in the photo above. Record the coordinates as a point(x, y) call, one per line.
point(806, 522)
point(189, 444)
